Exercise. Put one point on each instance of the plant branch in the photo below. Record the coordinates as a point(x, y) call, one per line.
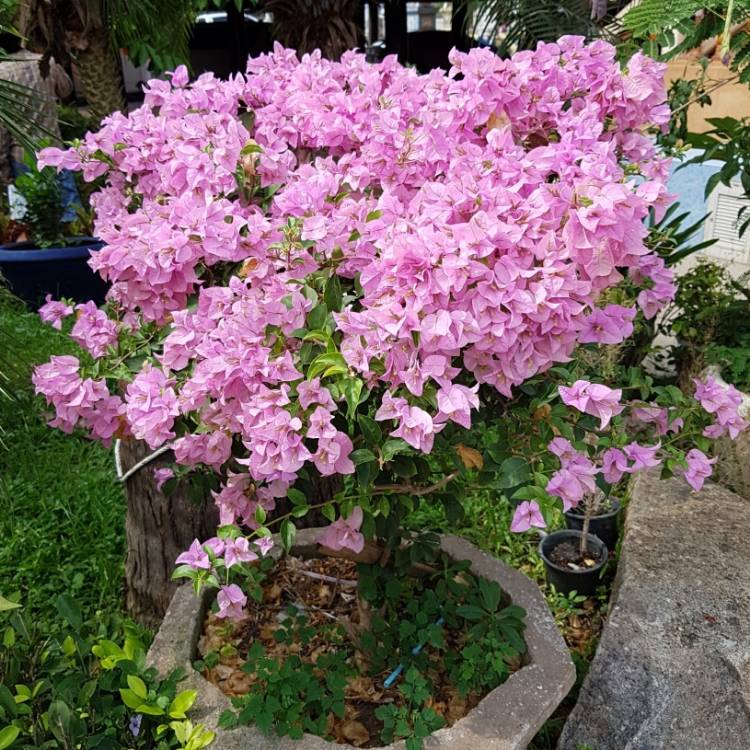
point(711, 89)
point(415, 489)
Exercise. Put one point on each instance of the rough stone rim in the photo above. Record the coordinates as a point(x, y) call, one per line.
point(507, 717)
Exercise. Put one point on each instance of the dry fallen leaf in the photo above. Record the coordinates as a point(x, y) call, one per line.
point(247, 267)
point(356, 732)
point(470, 457)
point(238, 683)
point(541, 414)
point(497, 120)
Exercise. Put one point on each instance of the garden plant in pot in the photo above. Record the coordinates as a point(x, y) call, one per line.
point(337, 269)
point(43, 254)
point(598, 514)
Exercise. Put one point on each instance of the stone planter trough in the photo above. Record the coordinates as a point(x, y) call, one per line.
point(506, 719)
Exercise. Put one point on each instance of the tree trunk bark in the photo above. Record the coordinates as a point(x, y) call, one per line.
point(101, 75)
point(158, 528)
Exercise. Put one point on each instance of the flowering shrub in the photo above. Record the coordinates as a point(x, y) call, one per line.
point(334, 268)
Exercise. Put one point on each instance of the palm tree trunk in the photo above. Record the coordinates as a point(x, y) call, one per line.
point(101, 75)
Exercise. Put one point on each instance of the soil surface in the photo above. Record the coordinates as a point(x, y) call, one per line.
point(324, 589)
point(568, 555)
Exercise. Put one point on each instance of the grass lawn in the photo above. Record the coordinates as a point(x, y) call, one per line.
point(62, 512)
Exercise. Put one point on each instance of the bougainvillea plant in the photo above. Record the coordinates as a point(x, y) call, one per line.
point(338, 269)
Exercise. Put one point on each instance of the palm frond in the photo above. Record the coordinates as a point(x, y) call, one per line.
point(149, 30)
point(521, 24)
point(19, 108)
point(307, 25)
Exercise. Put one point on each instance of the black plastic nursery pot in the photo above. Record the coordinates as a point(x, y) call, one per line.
point(604, 526)
point(32, 273)
point(566, 580)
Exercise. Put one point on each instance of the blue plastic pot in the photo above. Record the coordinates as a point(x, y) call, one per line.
point(31, 273)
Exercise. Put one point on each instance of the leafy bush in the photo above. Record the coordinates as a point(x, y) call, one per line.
point(64, 683)
point(44, 209)
point(711, 320)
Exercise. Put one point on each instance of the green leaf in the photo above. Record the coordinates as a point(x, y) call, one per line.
point(362, 456)
point(530, 492)
point(366, 473)
point(393, 447)
point(182, 703)
point(333, 294)
point(514, 471)
point(329, 363)
point(297, 497)
point(64, 724)
point(8, 736)
point(70, 611)
point(150, 709)
point(352, 390)
point(470, 612)
point(404, 466)
point(138, 686)
point(130, 699)
point(316, 318)
point(9, 637)
point(491, 594)
point(6, 604)
point(288, 532)
point(370, 429)
point(376, 214)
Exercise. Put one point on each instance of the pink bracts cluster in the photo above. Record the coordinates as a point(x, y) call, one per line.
point(481, 213)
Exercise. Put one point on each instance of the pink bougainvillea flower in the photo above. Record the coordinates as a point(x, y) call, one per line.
point(455, 402)
point(659, 416)
point(231, 602)
point(417, 428)
point(216, 545)
point(614, 465)
point(344, 533)
point(212, 448)
point(196, 557)
point(698, 469)
point(151, 406)
point(724, 402)
point(609, 325)
point(311, 392)
point(426, 201)
point(162, 476)
point(93, 330)
point(332, 456)
point(563, 449)
point(238, 551)
point(53, 312)
point(593, 398)
point(642, 456)
point(264, 545)
point(527, 515)
point(573, 481)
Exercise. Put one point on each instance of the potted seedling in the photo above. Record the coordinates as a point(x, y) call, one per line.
point(603, 520)
point(574, 557)
point(45, 255)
